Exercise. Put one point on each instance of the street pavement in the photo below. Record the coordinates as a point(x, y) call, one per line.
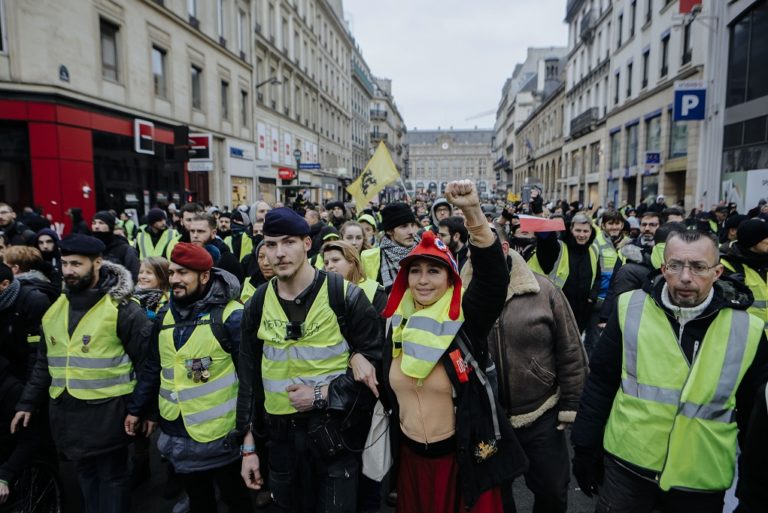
point(148, 497)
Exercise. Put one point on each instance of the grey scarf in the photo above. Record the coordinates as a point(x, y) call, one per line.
point(9, 295)
point(391, 254)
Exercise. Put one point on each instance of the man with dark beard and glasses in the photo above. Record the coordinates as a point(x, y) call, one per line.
point(190, 373)
point(93, 337)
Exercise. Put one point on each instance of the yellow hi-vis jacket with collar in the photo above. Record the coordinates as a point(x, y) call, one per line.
point(757, 285)
point(674, 418)
point(92, 363)
point(246, 245)
point(319, 356)
point(206, 408)
point(163, 247)
point(606, 251)
point(371, 260)
point(561, 268)
point(369, 287)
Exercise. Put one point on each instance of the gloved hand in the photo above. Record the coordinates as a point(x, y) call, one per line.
point(588, 469)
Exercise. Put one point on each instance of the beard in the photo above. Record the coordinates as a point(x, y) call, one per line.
point(79, 284)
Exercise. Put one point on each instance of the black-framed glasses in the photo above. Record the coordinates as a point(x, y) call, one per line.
point(696, 268)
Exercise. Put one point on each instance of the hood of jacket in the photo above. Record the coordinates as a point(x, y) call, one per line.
point(636, 255)
point(736, 253)
point(729, 293)
point(115, 280)
point(437, 203)
point(521, 279)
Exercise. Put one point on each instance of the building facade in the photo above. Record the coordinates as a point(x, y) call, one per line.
point(539, 145)
point(740, 54)
point(439, 156)
point(361, 95)
point(103, 115)
point(387, 124)
point(532, 82)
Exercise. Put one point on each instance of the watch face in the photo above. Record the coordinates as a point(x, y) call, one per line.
point(445, 146)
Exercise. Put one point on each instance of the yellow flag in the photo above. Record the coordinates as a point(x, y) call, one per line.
point(378, 173)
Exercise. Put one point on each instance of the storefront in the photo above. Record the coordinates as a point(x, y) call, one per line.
point(62, 155)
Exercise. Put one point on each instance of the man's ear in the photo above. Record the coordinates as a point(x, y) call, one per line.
point(205, 277)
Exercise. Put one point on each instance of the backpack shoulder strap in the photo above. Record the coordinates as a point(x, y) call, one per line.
point(257, 302)
point(219, 329)
point(336, 298)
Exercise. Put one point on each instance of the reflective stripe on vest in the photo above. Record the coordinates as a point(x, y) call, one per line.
point(91, 364)
point(318, 357)
point(371, 260)
point(147, 249)
point(206, 408)
point(759, 288)
point(606, 251)
point(561, 268)
point(423, 336)
point(674, 418)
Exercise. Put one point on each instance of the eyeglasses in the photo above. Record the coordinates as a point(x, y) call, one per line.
point(696, 268)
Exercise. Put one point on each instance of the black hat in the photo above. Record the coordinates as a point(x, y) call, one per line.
point(226, 214)
point(79, 244)
point(106, 217)
point(155, 215)
point(285, 221)
point(333, 204)
point(734, 221)
point(751, 232)
point(395, 215)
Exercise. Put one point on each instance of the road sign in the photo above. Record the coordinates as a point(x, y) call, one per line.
point(286, 173)
point(690, 100)
point(309, 165)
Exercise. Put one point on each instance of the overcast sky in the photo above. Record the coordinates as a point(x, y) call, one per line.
point(448, 59)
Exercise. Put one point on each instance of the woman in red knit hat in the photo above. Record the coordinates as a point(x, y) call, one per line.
point(454, 447)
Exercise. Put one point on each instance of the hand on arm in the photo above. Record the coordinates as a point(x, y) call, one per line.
point(463, 194)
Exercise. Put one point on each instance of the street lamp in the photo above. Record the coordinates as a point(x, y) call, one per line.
point(297, 156)
point(271, 80)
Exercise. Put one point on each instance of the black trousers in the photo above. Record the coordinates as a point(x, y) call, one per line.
point(105, 482)
point(549, 469)
point(304, 481)
point(625, 492)
point(200, 487)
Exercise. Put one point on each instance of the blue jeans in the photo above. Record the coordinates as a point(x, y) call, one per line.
point(105, 482)
point(303, 481)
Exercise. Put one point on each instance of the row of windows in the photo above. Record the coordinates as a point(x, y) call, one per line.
point(677, 142)
point(747, 70)
point(195, 12)
point(110, 69)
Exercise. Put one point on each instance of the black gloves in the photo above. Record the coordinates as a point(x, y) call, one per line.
point(588, 469)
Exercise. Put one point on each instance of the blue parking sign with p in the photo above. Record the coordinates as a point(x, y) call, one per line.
point(690, 104)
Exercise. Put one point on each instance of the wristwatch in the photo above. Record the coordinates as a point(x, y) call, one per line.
point(319, 403)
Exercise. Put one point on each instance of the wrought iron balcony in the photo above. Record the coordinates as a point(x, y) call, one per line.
point(585, 122)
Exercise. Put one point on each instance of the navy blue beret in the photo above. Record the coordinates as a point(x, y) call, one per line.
point(79, 244)
point(285, 221)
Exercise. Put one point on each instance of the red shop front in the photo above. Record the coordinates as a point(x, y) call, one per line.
point(58, 155)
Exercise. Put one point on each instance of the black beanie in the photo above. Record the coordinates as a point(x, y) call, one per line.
point(751, 232)
point(107, 218)
point(156, 215)
point(395, 215)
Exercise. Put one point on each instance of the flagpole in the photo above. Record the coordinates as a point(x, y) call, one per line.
point(405, 190)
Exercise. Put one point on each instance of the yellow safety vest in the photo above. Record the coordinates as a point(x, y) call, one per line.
point(657, 255)
point(561, 268)
point(248, 291)
point(422, 336)
point(92, 363)
point(759, 288)
point(246, 245)
point(163, 247)
point(673, 418)
point(607, 252)
point(371, 260)
point(319, 356)
point(369, 287)
point(207, 406)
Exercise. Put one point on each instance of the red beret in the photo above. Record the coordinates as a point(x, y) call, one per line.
point(191, 256)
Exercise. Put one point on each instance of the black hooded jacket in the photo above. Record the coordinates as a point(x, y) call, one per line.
point(605, 367)
point(579, 289)
point(18, 234)
point(120, 252)
point(739, 257)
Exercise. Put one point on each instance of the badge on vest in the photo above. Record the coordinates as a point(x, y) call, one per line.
point(485, 450)
point(460, 366)
point(197, 369)
point(86, 341)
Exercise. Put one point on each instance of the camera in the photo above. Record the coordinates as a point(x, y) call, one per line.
point(294, 330)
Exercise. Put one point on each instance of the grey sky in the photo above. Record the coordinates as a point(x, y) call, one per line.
point(448, 59)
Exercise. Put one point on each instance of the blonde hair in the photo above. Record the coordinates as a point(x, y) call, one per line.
point(27, 258)
point(366, 242)
point(348, 251)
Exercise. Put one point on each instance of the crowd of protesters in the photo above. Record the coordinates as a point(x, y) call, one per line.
point(253, 348)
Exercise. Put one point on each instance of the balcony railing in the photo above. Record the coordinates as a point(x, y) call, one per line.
point(378, 136)
point(378, 114)
point(585, 122)
point(587, 25)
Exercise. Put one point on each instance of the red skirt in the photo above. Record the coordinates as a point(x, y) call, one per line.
point(429, 485)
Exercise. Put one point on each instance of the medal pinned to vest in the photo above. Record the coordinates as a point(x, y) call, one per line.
point(86, 341)
point(198, 369)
